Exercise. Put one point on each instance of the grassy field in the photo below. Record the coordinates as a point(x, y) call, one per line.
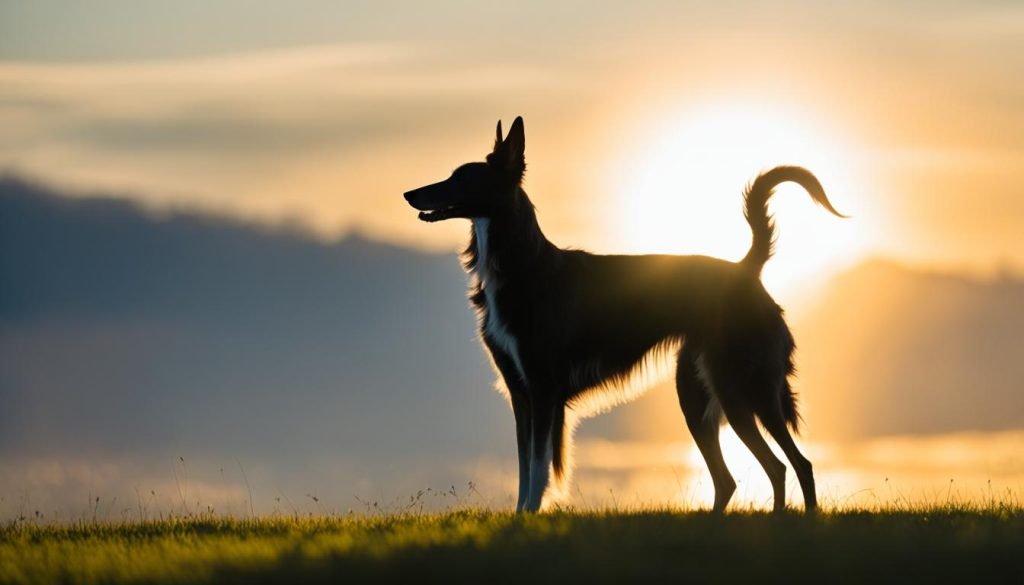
point(923, 546)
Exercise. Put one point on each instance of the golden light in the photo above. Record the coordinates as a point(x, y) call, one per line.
point(681, 190)
point(752, 484)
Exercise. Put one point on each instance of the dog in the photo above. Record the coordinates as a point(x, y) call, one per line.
point(566, 328)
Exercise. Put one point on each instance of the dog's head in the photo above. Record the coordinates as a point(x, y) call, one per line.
point(477, 189)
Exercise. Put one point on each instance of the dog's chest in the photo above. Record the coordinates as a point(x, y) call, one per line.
point(495, 328)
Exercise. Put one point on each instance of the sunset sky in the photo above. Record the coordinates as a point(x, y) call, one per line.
point(643, 124)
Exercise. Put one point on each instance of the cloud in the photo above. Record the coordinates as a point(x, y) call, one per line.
point(889, 350)
point(130, 336)
point(284, 99)
point(324, 132)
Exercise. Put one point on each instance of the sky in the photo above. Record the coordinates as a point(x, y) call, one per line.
point(643, 125)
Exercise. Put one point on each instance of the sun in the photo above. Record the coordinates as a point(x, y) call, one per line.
point(680, 191)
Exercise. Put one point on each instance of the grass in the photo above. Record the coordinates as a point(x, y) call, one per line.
point(939, 544)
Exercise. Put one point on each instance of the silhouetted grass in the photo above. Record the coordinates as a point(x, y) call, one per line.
point(854, 546)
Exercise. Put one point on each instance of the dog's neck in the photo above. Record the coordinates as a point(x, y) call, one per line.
point(508, 243)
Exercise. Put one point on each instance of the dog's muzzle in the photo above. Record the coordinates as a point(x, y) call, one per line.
point(430, 212)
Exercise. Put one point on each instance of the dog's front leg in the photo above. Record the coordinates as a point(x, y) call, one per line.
point(520, 398)
point(542, 420)
point(521, 409)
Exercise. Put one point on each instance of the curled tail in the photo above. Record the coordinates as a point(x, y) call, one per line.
point(756, 210)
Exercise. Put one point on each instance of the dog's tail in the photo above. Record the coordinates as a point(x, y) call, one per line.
point(756, 210)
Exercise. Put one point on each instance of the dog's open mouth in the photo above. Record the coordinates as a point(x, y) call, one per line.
point(439, 214)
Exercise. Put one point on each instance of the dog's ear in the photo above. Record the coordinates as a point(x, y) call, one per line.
point(516, 139)
point(498, 138)
point(508, 155)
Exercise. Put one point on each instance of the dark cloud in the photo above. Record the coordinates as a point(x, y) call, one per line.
point(123, 332)
point(893, 351)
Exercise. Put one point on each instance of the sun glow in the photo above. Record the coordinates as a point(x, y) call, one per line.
point(681, 190)
point(752, 484)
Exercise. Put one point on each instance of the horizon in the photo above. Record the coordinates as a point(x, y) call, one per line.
point(296, 226)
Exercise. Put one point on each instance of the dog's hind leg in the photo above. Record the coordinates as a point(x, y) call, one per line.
point(543, 417)
point(703, 417)
point(741, 417)
point(773, 421)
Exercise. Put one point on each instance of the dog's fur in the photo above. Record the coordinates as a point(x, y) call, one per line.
point(565, 326)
